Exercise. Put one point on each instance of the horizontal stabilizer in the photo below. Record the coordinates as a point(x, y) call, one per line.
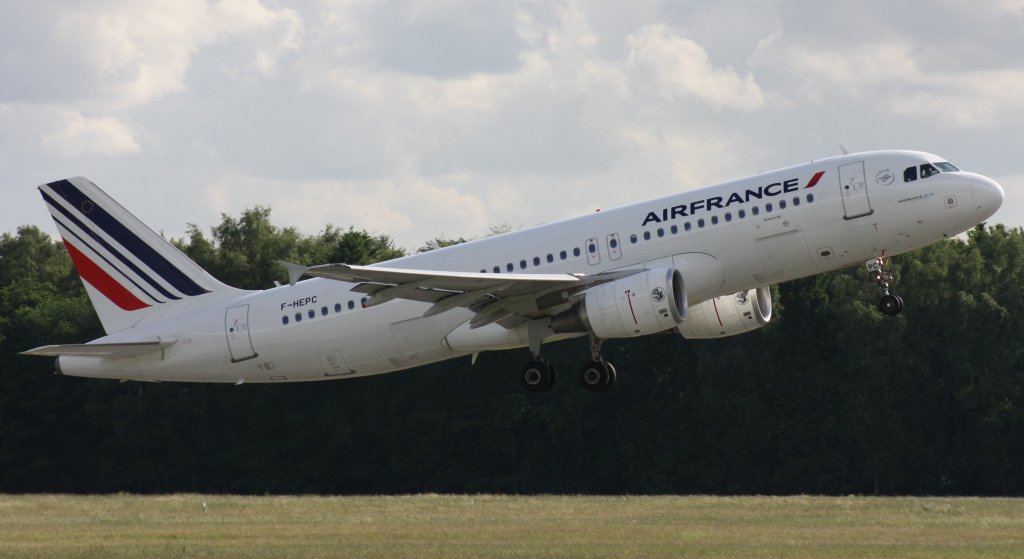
point(113, 351)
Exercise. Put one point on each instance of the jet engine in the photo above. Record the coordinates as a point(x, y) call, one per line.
point(643, 303)
point(728, 315)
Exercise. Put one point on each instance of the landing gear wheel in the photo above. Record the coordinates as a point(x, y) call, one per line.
point(890, 305)
point(597, 376)
point(537, 376)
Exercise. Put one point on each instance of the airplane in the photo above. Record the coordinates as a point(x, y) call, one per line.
point(698, 262)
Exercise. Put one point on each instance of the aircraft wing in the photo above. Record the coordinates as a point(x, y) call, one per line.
point(505, 298)
point(117, 350)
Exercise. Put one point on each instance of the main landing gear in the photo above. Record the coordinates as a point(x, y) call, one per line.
point(597, 374)
point(537, 375)
point(889, 304)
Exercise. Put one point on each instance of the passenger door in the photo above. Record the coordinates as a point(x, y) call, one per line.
point(236, 327)
point(854, 189)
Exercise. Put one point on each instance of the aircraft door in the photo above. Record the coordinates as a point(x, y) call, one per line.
point(236, 327)
point(614, 249)
point(854, 189)
point(784, 257)
point(593, 252)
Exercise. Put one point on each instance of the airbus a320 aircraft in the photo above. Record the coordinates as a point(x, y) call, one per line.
point(699, 262)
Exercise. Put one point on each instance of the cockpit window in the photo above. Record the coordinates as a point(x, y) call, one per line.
point(946, 167)
point(928, 170)
point(910, 174)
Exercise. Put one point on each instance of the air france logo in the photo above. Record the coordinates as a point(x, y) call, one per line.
point(719, 202)
point(741, 298)
point(657, 294)
point(884, 177)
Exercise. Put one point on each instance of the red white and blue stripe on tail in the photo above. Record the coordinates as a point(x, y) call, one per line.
point(118, 258)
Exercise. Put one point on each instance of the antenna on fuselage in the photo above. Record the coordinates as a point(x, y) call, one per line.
point(844, 150)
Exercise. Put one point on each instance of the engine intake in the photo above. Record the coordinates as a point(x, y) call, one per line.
point(644, 303)
point(728, 315)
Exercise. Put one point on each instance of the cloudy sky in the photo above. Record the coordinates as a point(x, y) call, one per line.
point(422, 119)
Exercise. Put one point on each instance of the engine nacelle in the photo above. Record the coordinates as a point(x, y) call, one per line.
point(643, 303)
point(728, 315)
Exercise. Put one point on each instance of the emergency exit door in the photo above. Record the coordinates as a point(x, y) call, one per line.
point(236, 327)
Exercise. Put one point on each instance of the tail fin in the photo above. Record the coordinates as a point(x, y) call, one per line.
point(129, 271)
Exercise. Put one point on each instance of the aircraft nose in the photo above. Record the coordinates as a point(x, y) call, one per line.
point(988, 196)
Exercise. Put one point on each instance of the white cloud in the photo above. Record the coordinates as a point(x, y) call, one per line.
point(679, 66)
point(81, 135)
point(398, 207)
point(129, 53)
point(908, 79)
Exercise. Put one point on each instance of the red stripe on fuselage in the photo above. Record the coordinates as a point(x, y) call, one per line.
point(102, 281)
point(815, 179)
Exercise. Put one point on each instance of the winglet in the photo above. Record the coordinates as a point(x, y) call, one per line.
point(295, 271)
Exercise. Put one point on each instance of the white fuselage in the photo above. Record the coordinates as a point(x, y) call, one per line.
point(755, 231)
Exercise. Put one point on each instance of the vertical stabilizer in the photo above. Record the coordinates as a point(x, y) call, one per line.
point(129, 271)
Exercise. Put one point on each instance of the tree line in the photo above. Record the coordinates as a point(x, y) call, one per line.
point(830, 398)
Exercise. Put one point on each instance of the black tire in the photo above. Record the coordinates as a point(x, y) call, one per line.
point(613, 375)
point(890, 305)
point(596, 376)
point(537, 376)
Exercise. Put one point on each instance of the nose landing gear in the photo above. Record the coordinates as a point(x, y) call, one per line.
point(889, 304)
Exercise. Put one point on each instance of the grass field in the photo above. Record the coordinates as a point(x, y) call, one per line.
point(496, 526)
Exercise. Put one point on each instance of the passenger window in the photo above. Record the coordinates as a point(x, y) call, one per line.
point(728, 216)
point(522, 264)
point(284, 319)
point(714, 220)
point(312, 313)
point(910, 174)
point(782, 204)
point(323, 311)
point(674, 229)
point(742, 213)
point(661, 232)
point(755, 210)
point(700, 222)
point(497, 269)
point(351, 305)
point(796, 200)
point(551, 258)
point(563, 255)
point(298, 317)
point(510, 267)
point(768, 207)
point(632, 238)
point(928, 170)
point(810, 198)
point(647, 235)
point(687, 226)
point(576, 251)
